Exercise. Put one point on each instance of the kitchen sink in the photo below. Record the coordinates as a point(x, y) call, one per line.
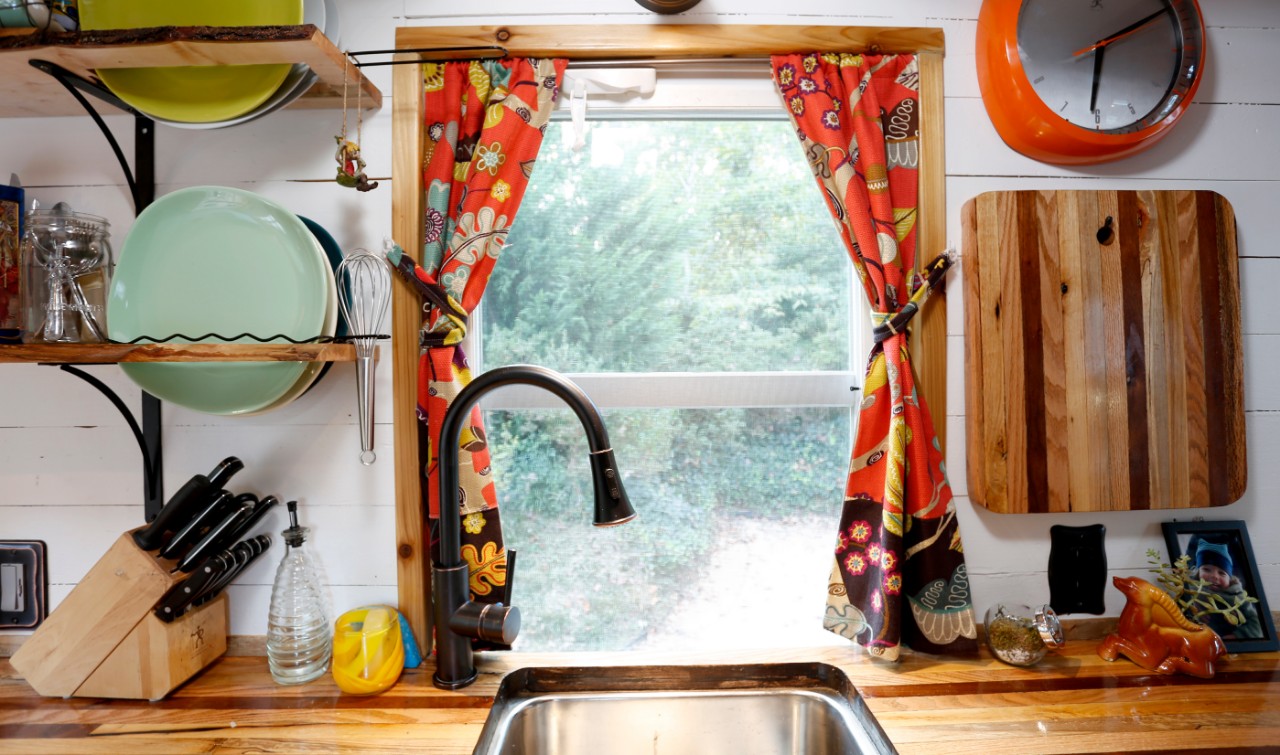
point(763, 709)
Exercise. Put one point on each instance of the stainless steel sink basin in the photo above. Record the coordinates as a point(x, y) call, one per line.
point(766, 709)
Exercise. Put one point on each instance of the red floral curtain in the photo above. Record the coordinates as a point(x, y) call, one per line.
point(484, 122)
point(899, 573)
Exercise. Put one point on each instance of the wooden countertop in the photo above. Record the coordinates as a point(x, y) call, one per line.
point(1073, 702)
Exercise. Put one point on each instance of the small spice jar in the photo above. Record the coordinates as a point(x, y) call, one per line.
point(1021, 635)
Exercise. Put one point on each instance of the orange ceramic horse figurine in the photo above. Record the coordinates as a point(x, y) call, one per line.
point(1154, 634)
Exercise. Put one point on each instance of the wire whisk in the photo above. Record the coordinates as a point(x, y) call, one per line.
point(364, 291)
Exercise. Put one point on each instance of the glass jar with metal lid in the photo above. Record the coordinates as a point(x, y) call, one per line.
point(66, 268)
point(1021, 635)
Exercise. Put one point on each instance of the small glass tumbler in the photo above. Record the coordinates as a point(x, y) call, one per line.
point(1021, 635)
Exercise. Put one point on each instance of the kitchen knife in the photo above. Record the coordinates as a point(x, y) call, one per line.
point(241, 508)
point(178, 598)
point(188, 535)
point(250, 550)
point(190, 499)
point(258, 511)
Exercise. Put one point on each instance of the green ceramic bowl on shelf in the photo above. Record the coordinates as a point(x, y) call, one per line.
point(192, 94)
point(213, 259)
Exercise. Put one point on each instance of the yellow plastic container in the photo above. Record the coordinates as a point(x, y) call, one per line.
point(368, 650)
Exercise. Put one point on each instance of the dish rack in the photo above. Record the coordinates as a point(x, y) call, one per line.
point(104, 641)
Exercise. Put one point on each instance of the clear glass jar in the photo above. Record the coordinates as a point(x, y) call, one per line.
point(1021, 635)
point(67, 264)
point(299, 643)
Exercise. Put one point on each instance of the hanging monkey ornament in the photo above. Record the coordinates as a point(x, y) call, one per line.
point(350, 164)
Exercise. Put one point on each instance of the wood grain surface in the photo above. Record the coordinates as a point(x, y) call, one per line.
point(1102, 375)
point(110, 353)
point(1073, 702)
point(413, 583)
point(26, 91)
point(670, 40)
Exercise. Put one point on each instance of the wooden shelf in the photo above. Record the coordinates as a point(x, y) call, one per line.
point(25, 91)
point(111, 353)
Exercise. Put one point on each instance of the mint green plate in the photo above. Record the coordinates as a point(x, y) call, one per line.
point(212, 259)
point(192, 94)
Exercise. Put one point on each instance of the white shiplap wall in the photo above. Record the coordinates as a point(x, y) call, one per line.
point(70, 473)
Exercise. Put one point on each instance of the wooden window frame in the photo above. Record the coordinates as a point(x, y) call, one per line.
point(641, 41)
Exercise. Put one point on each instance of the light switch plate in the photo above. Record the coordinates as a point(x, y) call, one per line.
point(24, 584)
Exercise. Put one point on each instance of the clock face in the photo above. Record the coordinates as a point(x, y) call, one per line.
point(1110, 66)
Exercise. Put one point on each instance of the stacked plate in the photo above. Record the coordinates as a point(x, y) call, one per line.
point(212, 259)
point(208, 96)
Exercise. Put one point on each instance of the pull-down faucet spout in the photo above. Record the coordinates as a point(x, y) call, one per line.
point(457, 618)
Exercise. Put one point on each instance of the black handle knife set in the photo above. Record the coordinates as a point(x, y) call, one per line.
point(201, 527)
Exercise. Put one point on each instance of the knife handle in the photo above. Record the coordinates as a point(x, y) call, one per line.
point(254, 548)
point(245, 504)
point(178, 598)
point(187, 535)
point(256, 516)
point(190, 498)
point(222, 473)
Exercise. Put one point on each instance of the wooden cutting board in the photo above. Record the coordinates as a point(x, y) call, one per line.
point(1102, 375)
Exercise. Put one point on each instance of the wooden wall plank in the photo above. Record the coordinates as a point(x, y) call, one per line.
point(1114, 406)
point(1232, 462)
point(1186, 205)
point(1154, 350)
point(994, 405)
point(1098, 448)
point(1053, 358)
point(1070, 249)
point(1132, 366)
point(1028, 414)
point(406, 317)
point(974, 367)
point(1164, 215)
point(928, 341)
point(672, 40)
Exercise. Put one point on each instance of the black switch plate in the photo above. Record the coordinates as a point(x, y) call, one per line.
point(1077, 569)
point(29, 558)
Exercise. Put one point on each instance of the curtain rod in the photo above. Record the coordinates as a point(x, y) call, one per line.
point(496, 51)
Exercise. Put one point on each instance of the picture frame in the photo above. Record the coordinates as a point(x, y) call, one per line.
point(1229, 550)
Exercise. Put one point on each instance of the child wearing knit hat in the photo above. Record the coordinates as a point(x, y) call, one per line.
point(1214, 567)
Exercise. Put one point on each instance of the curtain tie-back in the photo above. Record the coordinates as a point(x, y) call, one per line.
point(452, 328)
point(890, 324)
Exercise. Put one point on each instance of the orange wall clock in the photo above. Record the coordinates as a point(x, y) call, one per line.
point(1087, 81)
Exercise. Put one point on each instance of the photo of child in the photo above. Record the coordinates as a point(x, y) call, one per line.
point(1214, 565)
point(1219, 585)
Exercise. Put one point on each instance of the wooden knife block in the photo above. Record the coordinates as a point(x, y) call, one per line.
point(103, 640)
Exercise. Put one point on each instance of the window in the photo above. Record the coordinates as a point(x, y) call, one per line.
point(686, 273)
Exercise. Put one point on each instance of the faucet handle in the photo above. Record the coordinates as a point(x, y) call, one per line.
point(491, 622)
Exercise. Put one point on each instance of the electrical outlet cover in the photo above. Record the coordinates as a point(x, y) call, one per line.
point(32, 579)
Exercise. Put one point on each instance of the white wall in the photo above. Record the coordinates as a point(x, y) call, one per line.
point(71, 475)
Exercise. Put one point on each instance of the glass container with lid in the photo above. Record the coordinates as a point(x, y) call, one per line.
point(1021, 635)
point(66, 268)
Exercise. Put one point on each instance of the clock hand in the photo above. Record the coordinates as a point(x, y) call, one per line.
point(1126, 31)
point(1097, 74)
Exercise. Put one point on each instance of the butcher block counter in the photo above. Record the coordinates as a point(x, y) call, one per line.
point(1073, 702)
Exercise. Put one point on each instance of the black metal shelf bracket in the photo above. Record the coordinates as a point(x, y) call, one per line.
point(150, 462)
point(141, 179)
